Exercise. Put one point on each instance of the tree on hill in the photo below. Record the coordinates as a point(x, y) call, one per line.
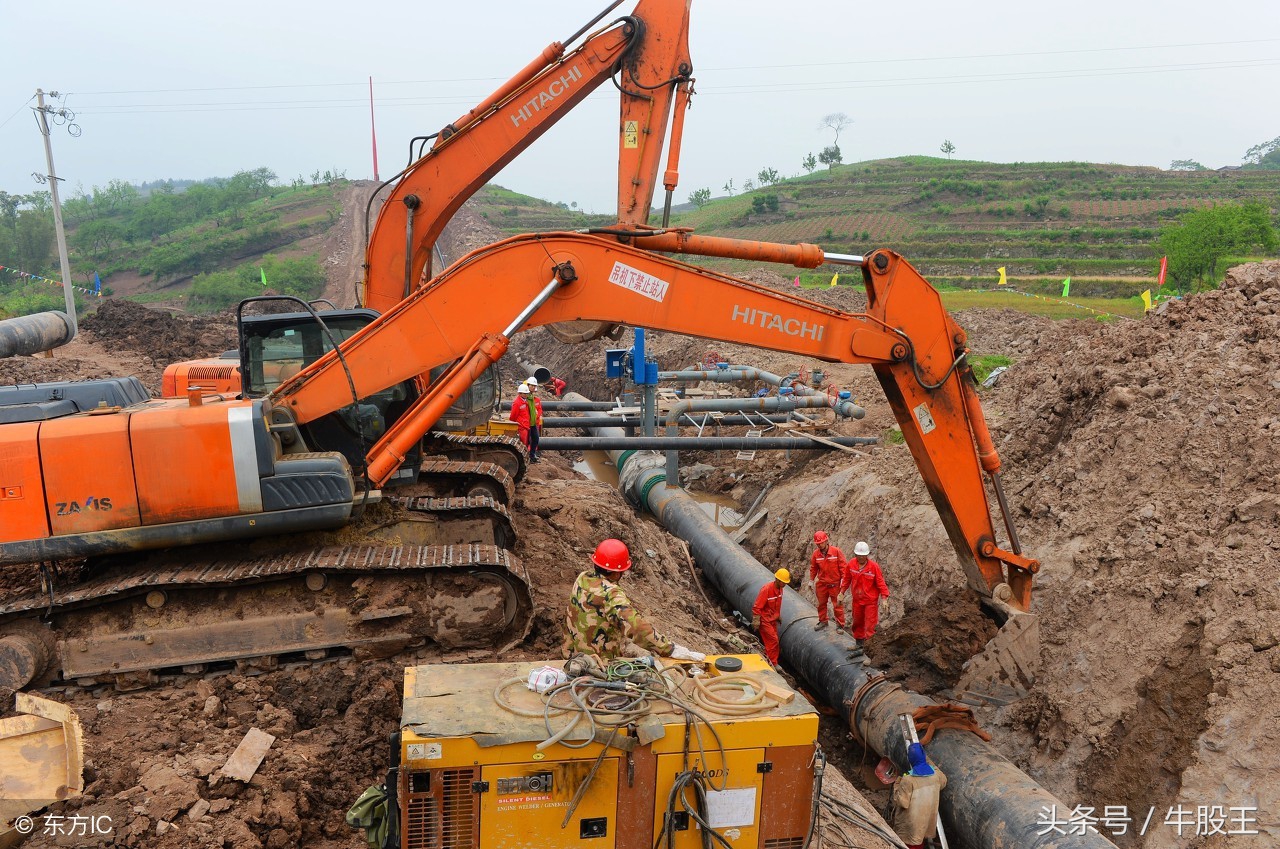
point(729, 189)
point(1265, 155)
point(768, 176)
point(1186, 165)
point(836, 122)
point(1204, 237)
point(830, 156)
point(700, 198)
point(810, 162)
point(947, 147)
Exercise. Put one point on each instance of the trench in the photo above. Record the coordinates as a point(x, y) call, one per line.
point(726, 512)
point(988, 801)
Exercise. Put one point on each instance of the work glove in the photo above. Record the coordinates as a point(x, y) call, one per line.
point(755, 623)
point(682, 653)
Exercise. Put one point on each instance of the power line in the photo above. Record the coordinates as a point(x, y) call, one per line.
point(724, 68)
point(1001, 55)
point(754, 88)
point(19, 109)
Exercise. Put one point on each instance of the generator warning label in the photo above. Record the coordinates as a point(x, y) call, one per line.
point(640, 282)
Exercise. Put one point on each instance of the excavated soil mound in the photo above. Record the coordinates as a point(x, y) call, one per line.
point(165, 337)
point(1141, 462)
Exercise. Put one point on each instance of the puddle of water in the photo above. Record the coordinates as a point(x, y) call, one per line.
point(726, 512)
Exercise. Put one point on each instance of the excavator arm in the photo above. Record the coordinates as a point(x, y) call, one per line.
point(648, 51)
point(915, 347)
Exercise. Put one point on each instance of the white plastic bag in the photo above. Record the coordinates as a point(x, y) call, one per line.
point(545, 678)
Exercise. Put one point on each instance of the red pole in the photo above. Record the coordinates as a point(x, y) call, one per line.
point(373, 131)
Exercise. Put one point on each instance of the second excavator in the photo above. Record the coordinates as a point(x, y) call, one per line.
point(313, 450)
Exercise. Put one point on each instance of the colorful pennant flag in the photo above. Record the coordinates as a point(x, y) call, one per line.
point(1066, 288)
point(1146, 301)
point(264, 275)
point(1003, 280)
point(97, 283)
point(26, 275)
point(1164, 268)
point(834, 278)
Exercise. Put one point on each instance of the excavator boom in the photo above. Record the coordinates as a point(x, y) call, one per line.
point(649, 52)
point(906, 334)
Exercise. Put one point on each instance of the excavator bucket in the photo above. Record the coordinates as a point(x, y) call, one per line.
point(1005, 670)
point(41, 760)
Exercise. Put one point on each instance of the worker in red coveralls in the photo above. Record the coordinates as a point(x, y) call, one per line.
point(557, 386)
point(766, 612)
point(826, 571)
point(527, 414)
point(865, 582)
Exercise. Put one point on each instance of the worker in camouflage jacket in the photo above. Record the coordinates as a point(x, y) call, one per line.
point(601, 620)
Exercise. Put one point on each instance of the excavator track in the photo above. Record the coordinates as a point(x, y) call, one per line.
point(503, 451)
point(452, 478)
point(446, 521)
point(129, 627)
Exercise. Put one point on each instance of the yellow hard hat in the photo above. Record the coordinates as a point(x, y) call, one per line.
point(783, 575)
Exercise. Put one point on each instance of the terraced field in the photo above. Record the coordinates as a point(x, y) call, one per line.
point(958, 221)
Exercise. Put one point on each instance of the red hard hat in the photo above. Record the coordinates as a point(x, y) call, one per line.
point(819, 537)
point(612, 554)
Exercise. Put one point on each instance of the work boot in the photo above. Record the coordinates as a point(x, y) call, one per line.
point(820, 626)
point(856, 651)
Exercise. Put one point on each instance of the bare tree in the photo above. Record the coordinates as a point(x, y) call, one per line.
point(836, 122)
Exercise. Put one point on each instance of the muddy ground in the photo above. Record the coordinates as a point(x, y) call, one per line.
point(1140, 461)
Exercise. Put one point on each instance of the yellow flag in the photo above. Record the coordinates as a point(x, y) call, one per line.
point(1146, 301)
point(834, 278)
point(1003, 281)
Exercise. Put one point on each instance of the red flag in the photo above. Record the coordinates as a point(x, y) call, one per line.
point(797, 283)
point(1164, 267)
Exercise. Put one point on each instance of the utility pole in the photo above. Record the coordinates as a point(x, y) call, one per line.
point(42, 120)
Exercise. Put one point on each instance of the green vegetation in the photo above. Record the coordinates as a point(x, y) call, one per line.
point(984, 364)
point(171, 232)
point(1046, 306)
point(301, 276)
point(958, 221)
point(1197, 244)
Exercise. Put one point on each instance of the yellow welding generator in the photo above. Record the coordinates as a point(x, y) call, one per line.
point(646, 753)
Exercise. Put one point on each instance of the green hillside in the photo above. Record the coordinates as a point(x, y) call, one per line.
point(157, 245)
point(958, 221)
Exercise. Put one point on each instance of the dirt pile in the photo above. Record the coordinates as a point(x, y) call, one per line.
point(165, 337)
point(1141, 463)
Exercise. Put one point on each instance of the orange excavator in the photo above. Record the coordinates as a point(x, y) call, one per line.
point(98, 470)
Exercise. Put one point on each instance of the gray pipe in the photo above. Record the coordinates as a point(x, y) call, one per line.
point(781, 403)
point(31, 334)
point(736, 373)
point(632, 421)
point(696, 443)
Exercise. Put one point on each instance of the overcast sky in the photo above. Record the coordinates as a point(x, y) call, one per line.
point(201, 90)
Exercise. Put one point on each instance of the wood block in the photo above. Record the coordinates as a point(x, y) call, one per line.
point(247, 757)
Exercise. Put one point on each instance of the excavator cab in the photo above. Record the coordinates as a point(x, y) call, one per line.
point(276, 346)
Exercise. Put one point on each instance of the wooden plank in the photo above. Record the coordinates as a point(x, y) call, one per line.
point(741, 533)
point(247, 757)
point(835, 445)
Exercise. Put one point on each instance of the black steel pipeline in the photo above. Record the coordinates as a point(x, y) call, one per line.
point(696, 443)
point(988, 801)
point(31, 334)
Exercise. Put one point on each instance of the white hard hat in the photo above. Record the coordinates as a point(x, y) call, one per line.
point(861, 549)
point(533, 381)
point(523, 389)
